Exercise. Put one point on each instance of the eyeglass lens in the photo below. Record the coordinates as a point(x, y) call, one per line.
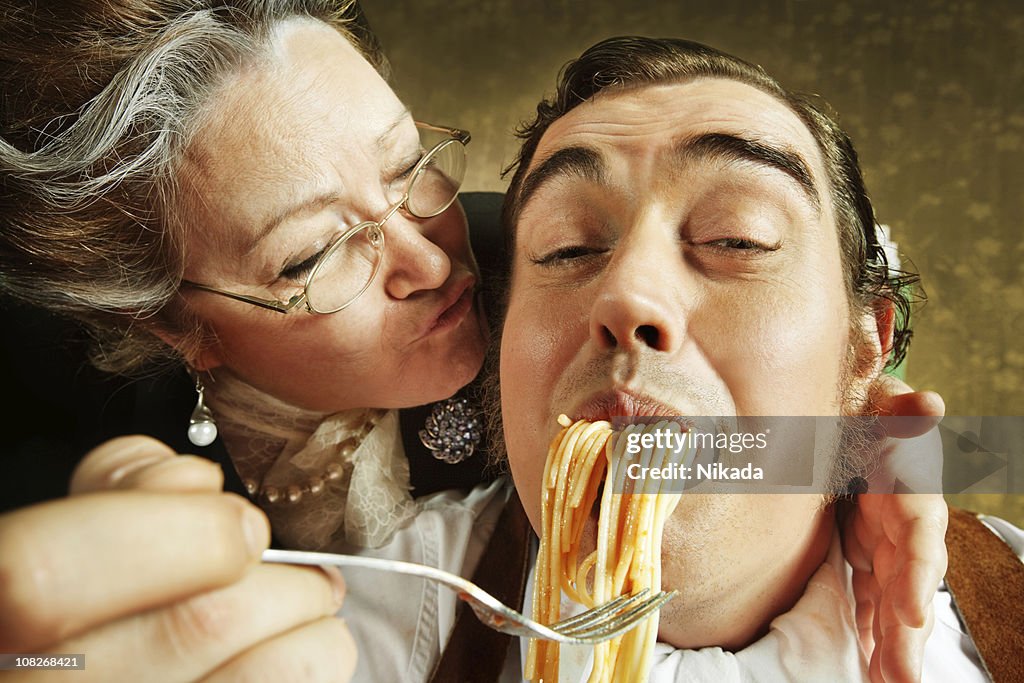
point(437, 182)
point(346, 271)
point(350, 266)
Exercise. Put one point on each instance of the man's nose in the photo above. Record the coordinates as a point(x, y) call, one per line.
point(638, 303)
point(412, 262)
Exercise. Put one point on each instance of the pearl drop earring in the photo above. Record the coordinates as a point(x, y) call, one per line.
point(202, 429)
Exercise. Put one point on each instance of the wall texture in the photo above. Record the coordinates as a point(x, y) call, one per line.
point(932, 92)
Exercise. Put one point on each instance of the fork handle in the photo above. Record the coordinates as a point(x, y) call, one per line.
point(410, 568)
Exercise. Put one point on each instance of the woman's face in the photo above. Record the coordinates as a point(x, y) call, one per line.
point(295, 150)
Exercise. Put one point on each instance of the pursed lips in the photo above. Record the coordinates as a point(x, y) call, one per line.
point(458, 294)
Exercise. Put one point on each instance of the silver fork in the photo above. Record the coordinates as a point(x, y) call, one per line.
point(593, 626)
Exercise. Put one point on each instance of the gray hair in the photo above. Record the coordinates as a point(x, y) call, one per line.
point(100, 101)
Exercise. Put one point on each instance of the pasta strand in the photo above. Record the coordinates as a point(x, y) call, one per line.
point(627, 557)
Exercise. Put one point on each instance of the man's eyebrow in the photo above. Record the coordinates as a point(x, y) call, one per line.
point(737, 148)
point(579, 161)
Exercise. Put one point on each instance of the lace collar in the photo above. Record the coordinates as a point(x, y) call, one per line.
point(274, 446)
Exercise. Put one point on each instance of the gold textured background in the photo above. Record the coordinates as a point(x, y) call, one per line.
point(931, 91)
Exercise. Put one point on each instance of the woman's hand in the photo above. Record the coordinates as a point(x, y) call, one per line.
point(153, 573)
point(895, 542)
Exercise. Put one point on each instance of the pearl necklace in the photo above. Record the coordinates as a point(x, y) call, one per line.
point(294, 493)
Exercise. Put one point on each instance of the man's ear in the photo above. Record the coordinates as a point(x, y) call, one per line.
point(200, 351)
point(885, 324)
point(876, 338)
point(870, 350)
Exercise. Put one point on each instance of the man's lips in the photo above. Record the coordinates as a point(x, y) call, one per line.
point(455, 304)
point(621, 403)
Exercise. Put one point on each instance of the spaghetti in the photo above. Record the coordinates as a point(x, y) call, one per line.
point(628, 554)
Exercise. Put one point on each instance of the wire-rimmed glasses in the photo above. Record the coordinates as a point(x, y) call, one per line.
point(348, 266)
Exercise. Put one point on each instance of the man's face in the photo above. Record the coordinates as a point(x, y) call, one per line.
point(676, 253)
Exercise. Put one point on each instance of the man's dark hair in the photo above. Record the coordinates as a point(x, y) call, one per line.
point(633, 62)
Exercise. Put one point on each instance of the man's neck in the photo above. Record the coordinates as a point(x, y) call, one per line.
point(740, 616)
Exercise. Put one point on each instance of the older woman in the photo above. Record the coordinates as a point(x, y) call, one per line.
point(239, 185)
point(298, 244)
point(235, 184)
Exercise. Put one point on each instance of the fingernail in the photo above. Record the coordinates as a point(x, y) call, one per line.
point(256, 530)
point(337, 582)
point(149, 474)
point(121, 473)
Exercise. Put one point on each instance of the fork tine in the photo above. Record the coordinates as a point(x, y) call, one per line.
point(601, 613)
point(618, 604)
point(625, 621)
